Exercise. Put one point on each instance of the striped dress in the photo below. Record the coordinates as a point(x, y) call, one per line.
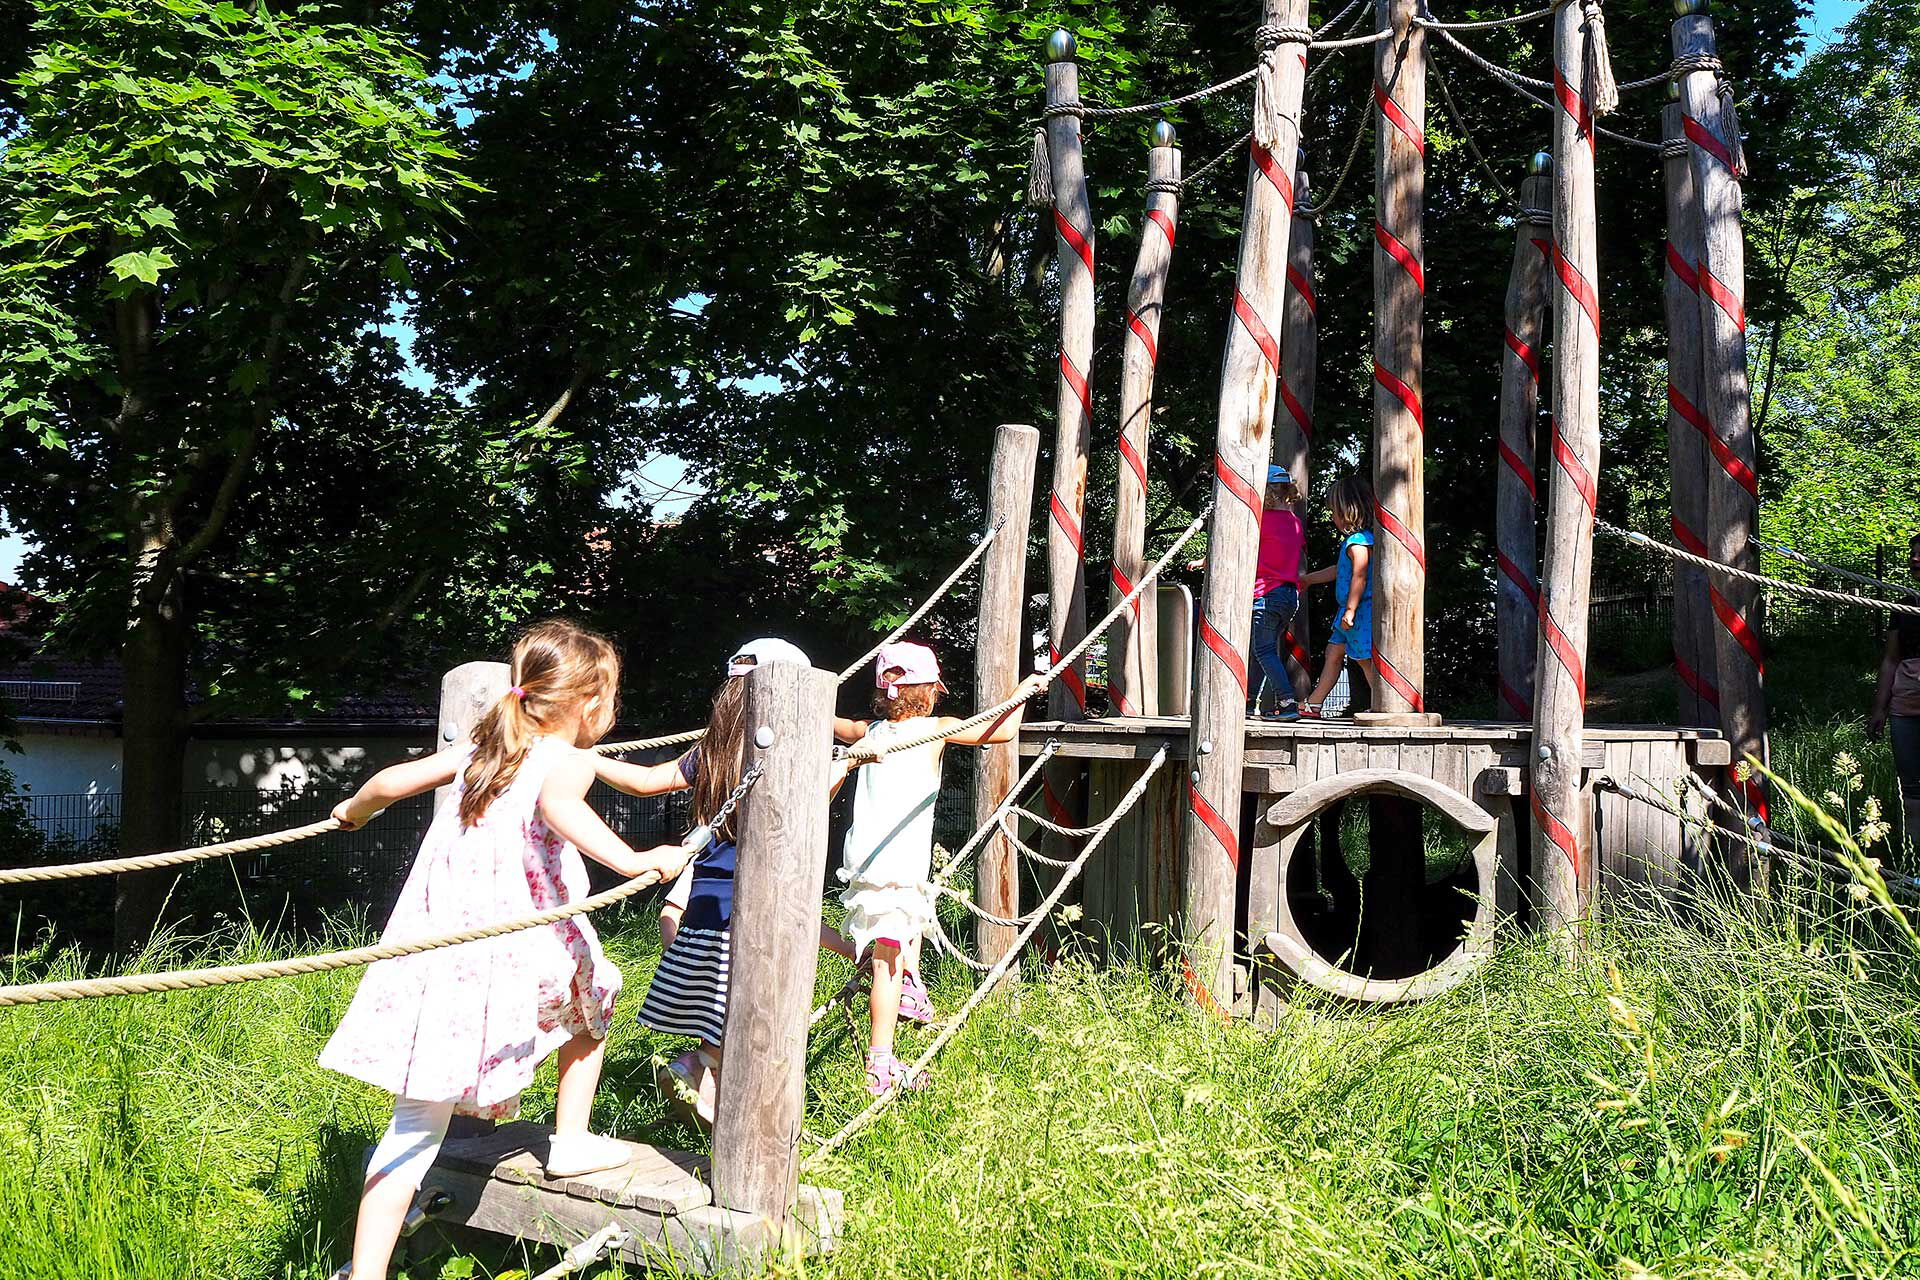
point(688, 996)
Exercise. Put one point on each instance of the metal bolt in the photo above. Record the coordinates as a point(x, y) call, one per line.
point(763, 737)
point(1541, 165)
point(1691, 8)
point(1206, 746)
point(1196, 777)
point(1546, 752)
point(1061, 46)
point(1164, 136)
point(446, 735)
point(1753, 820)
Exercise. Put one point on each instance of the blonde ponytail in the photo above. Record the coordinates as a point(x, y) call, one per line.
point(557, 668)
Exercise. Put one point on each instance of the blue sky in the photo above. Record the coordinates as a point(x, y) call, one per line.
point(662, 477)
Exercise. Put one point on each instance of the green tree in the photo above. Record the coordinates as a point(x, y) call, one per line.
point(206, 211)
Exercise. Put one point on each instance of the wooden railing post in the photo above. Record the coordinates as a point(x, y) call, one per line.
point(1248, 381)
point(1732, 488)
point(1399, 364)
point(1562, 854)
point(466, 692)
point(1293, 430)
point(1133, 660)
point(996, 670)
point(782, 836)
point(1687, 428)
point(1515, 483)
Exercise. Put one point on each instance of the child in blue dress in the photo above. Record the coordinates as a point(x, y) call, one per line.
point(1350, 502)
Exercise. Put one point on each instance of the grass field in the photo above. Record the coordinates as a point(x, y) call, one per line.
point(1736, 1093)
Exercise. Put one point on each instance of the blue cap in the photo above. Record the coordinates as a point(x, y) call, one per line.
point(1279, 475)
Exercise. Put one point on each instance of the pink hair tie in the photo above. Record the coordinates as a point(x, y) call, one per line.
point(518, 692)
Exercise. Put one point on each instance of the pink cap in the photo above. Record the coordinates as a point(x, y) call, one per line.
point(916, 663)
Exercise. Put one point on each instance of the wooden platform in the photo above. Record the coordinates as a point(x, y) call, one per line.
point(1482, 764)
point(662, 1198)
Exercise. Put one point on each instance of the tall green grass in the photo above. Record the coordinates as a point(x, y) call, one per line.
point(1733, 1094)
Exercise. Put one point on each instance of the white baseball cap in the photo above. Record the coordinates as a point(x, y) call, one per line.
point(758, 653)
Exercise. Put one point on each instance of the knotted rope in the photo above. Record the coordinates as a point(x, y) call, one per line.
point(995, 974)
point(1646, 543)
point(134, 984)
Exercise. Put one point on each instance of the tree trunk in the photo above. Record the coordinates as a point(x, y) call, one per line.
point(153, 736)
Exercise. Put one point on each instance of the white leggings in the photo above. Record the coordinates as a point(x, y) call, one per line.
point(411, 1143)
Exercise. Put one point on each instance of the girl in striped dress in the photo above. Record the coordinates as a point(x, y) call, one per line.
point(688, 995)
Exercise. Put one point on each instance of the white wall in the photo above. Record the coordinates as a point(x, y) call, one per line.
point(59, 763)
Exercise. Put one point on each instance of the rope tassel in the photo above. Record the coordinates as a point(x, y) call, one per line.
point(1040, 172)
point(1603, 92)
point(1730, 118)
point(1266, 101)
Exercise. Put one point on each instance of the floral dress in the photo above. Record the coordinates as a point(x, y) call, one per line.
point(470, 1024)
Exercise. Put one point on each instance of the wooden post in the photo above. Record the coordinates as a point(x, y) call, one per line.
point(996, 670)
point(1073, 397)
point(1293, 432)
point(1399, 362)
point(466, 694)
point(1562, 839)
point(782, 825)
point(1133, 663)
point(1732, 490)
point(1248, 380)
point(1693, 660)
point(1516, 506)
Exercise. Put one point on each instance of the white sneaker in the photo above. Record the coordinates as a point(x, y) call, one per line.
point(578, 1153)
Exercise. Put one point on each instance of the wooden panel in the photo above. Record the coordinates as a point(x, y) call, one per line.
point(1263, 897)
point(655, 1179)
point(1292, 809)
point(1263, 778)
point(1165, 809)
point(1499, 805)
point(1418, 757)
point(1095, 881)
point(1173, 633)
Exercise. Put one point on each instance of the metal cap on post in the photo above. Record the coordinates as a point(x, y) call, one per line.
point(782, 837)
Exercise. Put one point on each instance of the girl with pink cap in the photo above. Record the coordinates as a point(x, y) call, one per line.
point(888, 855)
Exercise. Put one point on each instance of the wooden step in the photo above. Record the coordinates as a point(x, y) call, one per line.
point(654, 1178)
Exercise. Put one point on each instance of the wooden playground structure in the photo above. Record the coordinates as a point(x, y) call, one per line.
point(1236, 847)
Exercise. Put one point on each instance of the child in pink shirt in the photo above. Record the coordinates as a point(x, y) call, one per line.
point(1276, 593)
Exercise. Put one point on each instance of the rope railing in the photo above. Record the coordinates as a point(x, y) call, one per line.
point(1646, 543)
point(1029, 852)
point(1524, 86)
point(1487, 24)
point(999, 711)
point(994, 974)
point(1800, 557)
point(178, 857)
point(1361, 132)
point(1072, 833)
point(134, 984)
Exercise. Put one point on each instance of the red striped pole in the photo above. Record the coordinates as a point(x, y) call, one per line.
point(1248, 384)
point(1399, 361)
point(1073, 398)
point(1694, 666)
point(1516, 487)
point(1562, 836)
point(1133, 663)
point(1732, 489)
point(1293, 425)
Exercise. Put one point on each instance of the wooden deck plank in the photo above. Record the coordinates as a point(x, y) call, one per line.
point(655, 1179)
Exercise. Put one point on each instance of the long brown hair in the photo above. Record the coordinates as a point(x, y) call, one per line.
point(557, 669)
point(722, 751)
point(1351, 503)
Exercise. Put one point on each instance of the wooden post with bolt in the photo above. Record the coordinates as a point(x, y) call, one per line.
point(1562, 838)
point(996, 670)
point(782, 836)
point(1133, 660)
point(1248, 381)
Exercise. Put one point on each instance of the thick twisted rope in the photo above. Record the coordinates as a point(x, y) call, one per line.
point(1007, 803)
point(1029, 852)
point(973, 557)
point(1681, 65)
point(1466, 134)
point(1361, 132)
point(995, 974)
point(1353, 7)
point(135, 984)
point(1801, 557)
point(642, 744)
point(867, 755)
point(1488, 24)
point(1237, 147)
point(1072, 833)
point(1523, 86)
point(1646, 543)
point(152, 861)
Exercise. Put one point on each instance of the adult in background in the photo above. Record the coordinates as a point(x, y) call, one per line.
point(1896, 700)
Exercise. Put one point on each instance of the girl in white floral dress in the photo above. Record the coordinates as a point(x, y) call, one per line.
point(463, 1029)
